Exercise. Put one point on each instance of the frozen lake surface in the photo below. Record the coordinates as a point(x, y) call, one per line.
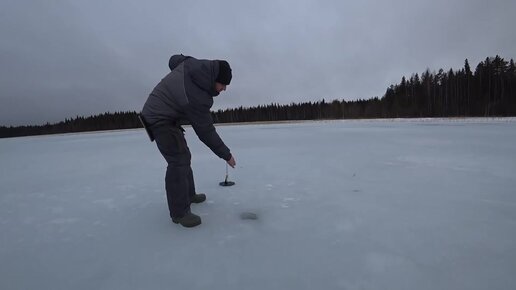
point(396, 204)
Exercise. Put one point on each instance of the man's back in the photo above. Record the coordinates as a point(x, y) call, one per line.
point(166, 100)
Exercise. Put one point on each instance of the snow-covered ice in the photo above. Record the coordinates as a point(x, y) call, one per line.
point(420, 204)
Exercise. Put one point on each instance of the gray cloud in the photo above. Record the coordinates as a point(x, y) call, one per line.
point(60, 59)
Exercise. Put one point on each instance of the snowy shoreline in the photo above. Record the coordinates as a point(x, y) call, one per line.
point(392, 120)
point(453, 119)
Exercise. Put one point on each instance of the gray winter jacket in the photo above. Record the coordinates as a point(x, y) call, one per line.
point(186, 93)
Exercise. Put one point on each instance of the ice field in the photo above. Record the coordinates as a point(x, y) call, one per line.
point(369, 204)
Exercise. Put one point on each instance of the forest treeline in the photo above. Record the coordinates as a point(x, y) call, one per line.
point(488, 91)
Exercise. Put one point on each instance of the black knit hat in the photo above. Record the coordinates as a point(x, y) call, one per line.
point(224, 76)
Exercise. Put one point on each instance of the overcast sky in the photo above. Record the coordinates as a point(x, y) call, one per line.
point(63, 58)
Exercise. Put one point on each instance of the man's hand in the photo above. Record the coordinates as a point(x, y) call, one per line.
point(232, 162)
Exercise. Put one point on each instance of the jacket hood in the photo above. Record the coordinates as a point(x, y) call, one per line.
point(175, 60)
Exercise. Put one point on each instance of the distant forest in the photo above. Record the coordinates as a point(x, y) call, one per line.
point(488, 91)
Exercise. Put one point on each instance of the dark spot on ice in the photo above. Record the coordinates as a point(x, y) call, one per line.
point(248, 216)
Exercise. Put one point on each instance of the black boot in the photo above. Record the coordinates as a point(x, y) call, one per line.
point(189, 220)
point(198, 198)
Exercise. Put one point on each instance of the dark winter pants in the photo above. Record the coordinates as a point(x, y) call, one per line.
point(179, 181)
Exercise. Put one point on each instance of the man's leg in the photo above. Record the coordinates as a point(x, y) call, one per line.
point(177, 187)
point(172, 145)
